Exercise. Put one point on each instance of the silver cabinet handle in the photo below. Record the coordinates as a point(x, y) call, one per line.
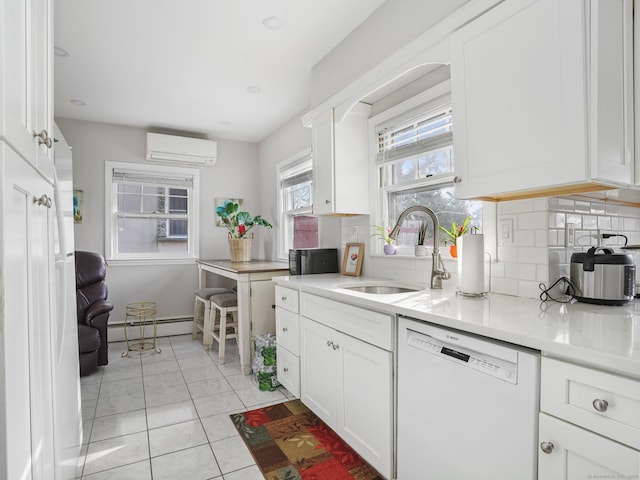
point(285, 329)
point(335, 346)
point(547, 447)
point(285, 369)
point(329, 343)
point(327, 202)
point(284, 299)
point(44, 138)
point(44, 200)
point(600, 405)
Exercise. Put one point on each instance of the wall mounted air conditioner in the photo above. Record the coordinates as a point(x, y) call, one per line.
point(172, 149)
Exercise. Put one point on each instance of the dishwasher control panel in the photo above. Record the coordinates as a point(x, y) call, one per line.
point(480, 361)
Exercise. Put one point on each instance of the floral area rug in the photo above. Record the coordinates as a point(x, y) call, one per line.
point(288, 442)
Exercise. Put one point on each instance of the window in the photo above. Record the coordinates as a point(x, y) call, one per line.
point(298, 228)
point(152, 212)
point(414, 163)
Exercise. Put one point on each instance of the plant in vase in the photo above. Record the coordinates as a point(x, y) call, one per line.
point(383, 233)
point(420, 248)
point(453, 233)
point(238, 224)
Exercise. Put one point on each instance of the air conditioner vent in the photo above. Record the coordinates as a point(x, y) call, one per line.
point(172, 149)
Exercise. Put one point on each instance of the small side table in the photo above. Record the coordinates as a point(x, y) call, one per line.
point(141, 314)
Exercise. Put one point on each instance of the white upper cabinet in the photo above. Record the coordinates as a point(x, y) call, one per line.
point(26, 112)
point(340, 162)
point(542, 98)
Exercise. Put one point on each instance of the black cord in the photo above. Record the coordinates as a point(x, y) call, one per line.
point(546, 296)
point(609, 235)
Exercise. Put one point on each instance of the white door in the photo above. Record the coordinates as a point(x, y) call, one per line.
point(26, 445)
point(568, 452)
point(365, 409)
point(319, 364)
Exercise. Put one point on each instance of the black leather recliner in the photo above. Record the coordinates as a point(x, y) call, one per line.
point(93, 311)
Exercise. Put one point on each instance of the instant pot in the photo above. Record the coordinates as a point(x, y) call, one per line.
point(602, 277)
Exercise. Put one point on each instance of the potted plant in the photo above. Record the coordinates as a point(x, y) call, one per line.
point(238, 224)
point(420, 248)
point(383, 233)
point(453, 233)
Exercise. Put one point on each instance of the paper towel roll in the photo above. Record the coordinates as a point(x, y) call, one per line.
point(471, 264)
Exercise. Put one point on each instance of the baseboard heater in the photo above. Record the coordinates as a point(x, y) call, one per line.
point(165, 327)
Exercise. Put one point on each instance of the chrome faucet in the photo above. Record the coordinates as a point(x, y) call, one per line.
point(438, 272)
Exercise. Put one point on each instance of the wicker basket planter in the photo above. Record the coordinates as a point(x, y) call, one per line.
point(240, 248)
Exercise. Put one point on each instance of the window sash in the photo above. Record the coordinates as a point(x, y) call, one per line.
point(175, 212)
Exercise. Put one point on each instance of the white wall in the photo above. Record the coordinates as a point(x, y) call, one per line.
point(284, 143)
point(388, 29)
point(170, 286)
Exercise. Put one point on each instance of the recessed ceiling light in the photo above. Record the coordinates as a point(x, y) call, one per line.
point(272, 23)
point(225, 123)
point(80, 103)
point(254, 89)
point(60, 52)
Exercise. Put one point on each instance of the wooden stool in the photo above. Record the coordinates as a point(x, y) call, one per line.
point(222, 305)
point(201, 319)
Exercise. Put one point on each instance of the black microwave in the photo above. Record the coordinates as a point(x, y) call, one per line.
point(313, 260)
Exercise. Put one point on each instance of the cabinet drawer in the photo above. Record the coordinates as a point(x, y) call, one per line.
point(288, 330)
point(289, 371)
point(372, 327)
point(603, 402)
point(287, 298)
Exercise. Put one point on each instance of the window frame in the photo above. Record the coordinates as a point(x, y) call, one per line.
point(111, 218)
point(430, 100)
point(282, 249)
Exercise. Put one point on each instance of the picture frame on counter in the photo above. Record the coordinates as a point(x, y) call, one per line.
point(352, 262)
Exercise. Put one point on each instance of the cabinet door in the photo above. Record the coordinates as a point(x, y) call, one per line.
point(319, 364)
point(365, 409)
point(323, 141)
point(26, 391)
point(519, 98)
point(26, 73)
point(578, 454)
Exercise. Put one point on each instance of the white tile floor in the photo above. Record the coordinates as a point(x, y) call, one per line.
point(166, 416)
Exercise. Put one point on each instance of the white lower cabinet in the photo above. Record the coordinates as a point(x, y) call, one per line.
point(348, 384)
point(577, 454)
point(589, 423)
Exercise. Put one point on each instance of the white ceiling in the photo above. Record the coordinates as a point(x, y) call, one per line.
point(185, 65)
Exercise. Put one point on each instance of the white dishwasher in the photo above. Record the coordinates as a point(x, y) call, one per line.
point(467, 406)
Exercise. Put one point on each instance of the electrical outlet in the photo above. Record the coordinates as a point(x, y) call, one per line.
point(505, 231)
point(570, 235)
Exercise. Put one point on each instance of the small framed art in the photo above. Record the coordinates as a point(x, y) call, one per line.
point(353, 255)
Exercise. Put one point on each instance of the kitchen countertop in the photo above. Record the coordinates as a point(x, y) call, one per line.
point(604, 337)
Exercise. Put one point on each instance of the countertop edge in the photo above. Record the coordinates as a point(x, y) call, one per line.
point(328, 286)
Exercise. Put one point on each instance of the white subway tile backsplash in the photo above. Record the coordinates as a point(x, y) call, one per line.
point(604, 223)
point(575, 219)
point(532, 220)
point(566, 204)
point(533, 255)
point(630, 224)
point(537, 253)
point(557, 220)
point(589, 222)
point(524, 238)
point(582, 207)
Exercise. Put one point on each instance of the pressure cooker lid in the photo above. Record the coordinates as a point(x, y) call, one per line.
point(606, 257)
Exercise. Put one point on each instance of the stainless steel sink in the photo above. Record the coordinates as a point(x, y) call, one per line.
point(381, 289)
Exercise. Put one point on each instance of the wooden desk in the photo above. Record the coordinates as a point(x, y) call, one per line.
point(256, 297)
